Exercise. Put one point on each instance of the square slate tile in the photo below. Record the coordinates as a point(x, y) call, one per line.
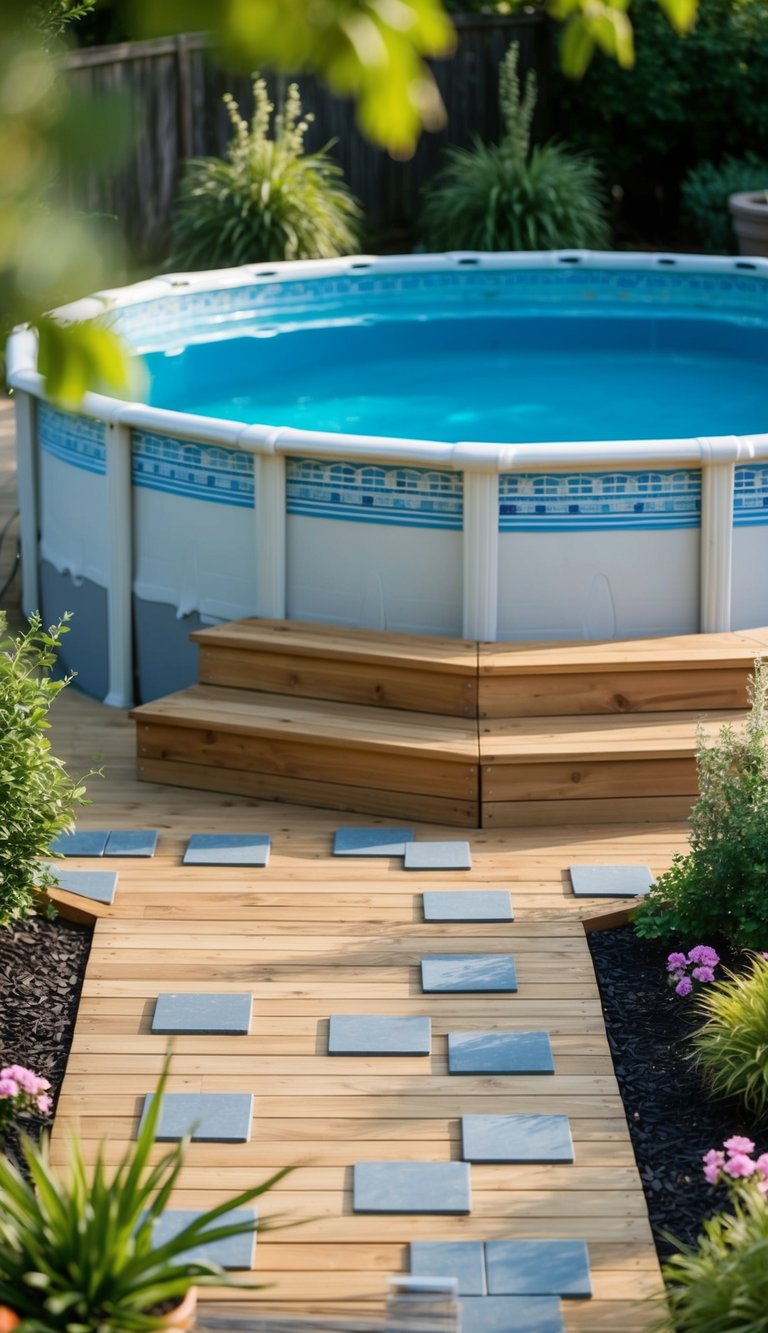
point(462, 1259)
point(131, 842)
point(227, 849)
point(468, 972)
point(231, 1252)
point(229, 1015)
point(500, 1053)
point(516, 1138)
point(371, 841)
point(454, 855)
point(208, 1117)
point(610, 881)
point(511, 1314)
point(98, 885)
point(471, 905)
point(538, 1268)
point(375, 1034)
point(412, 1187)
point(83, 842)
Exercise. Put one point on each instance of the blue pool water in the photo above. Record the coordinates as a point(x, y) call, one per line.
point(504, 379)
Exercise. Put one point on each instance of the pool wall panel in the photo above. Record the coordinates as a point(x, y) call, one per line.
point(374, 576)
point(593, 585)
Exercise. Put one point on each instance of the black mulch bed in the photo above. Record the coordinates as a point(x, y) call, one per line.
point(670, 1119)
point(42, 964)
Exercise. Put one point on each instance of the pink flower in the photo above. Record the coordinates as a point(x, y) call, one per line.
point(703, 974)
point(739, 1165)
point(684, 986)
point(713, 1163)
point(8, 1086)
point(738, 1144)
point(44, 1103)
point(762, 1164)
point(676, 962)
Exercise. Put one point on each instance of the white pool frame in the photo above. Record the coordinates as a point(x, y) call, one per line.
point(710, 553)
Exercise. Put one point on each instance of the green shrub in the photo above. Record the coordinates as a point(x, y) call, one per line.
point(721, 886)
point(704, 199)
point(507, 196)
point(731, 1047)
point(682, 102)
point(720, 1285)
point(267, 199)
point(37, 797)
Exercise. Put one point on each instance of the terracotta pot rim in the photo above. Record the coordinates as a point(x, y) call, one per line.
point(181, 1315)
point(749, 199)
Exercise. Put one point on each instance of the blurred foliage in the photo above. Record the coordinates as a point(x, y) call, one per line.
point(49, 252)
point(684, 102)
point(704, 199)
point(508, 196)
point(267, 199)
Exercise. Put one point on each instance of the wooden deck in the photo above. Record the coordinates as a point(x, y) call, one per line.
point(311, 936)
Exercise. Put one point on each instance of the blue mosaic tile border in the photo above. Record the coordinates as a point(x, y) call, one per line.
point(588, 501)
point(750, 495)
point(77, 440)
point(662, 288)
point(374, 493)
point(197, 471)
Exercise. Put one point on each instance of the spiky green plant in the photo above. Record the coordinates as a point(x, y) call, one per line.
point(720, 1285)
point(731, 1046)
point(508, 196)
point(267, 199)
point(76, 1247)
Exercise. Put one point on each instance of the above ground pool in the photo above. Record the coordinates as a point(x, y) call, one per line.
point(558, 446)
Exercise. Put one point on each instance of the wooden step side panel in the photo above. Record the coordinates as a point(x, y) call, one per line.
point(603, 689)
point(308, 759)
point(322, 795)
point(629, 810)
point(394, 684)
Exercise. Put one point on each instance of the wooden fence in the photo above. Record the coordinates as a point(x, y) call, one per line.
point(174, 91)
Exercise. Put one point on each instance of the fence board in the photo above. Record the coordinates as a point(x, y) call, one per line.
point(174, 90)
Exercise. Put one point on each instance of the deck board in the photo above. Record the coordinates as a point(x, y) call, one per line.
point(311, 935)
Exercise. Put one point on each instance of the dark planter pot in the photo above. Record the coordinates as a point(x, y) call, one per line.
point(749, 210)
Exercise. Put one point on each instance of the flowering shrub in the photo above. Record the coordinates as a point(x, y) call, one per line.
point(721, 886)
point(735, 1162)
point(731, 1046)
point(22, 1093)
point(720, 1284)
point(686, 969)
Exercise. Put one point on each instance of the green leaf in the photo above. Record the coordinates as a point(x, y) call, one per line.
point(74, 358)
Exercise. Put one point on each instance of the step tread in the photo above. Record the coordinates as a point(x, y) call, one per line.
point(667, 652)
point(308, 639)
point(610, 735)
point(282, 716)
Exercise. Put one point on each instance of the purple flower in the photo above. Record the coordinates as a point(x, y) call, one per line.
point(684, 986)
point(676, 962)
point(739, 1144)
point(703, 974)
point(704, 955)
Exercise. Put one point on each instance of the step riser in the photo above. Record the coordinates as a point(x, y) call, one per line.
point(618, 810)
point(602, 779)
point(390, 686)
point(308, 761)
point(603, 691)
point(319, 795)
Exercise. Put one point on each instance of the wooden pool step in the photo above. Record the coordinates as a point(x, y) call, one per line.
point(577, 769)
point(592, 769)
point(461, 678)
point(415, 672)
point(314, 752)
point(672, 673)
